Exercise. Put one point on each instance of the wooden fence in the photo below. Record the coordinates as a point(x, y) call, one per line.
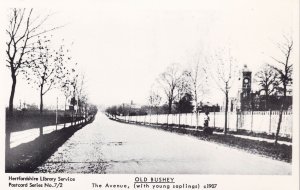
point(256, 121)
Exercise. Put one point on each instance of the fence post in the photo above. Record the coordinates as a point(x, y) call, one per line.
point(185, 118)
point(197, 120)
point(237, 121)
point(242, 119)
point(270, 121)
point(251, 120)
point(228, 120)
point(214, 118)
point(192, 119)
point(168, 119)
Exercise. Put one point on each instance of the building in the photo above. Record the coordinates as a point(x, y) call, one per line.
point(256, 100)
point(207, 106)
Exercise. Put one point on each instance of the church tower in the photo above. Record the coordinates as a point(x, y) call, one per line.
point(245, 93)
point(246, 82)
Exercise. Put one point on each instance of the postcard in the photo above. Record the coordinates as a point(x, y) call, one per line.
point(150, 94)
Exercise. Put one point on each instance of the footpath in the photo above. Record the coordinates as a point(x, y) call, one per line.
point(26, 157)
point(247, 137)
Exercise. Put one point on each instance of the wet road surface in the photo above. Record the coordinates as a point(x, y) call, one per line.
point(106, 146)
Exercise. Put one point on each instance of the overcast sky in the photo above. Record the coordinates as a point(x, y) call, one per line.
point(122, 46)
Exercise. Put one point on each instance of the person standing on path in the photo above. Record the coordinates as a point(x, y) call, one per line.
point(207, 130)
point(206, 119)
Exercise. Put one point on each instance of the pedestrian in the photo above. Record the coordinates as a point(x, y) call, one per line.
point(206, 119)
point(207, 130)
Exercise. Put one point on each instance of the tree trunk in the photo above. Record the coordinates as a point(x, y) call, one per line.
point(284, 90)
point(41, 99)
point(267, 102)
point(74, 117)
point(12, 94)
point(65, 111)
point(197, 119)
point(279, 124)
point(226, 110)
point(170, 107)
point(41, 108)
point(150, 114)
point(283, 107)
point(66, 103)
point(196, 109)
point(7, 147)
point(7, 138)
point(10, 113)
point(85, 115)
point(72, 120)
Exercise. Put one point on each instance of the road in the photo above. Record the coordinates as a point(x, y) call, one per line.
point(106, 146)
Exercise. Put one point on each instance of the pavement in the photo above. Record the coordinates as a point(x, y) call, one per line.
point(20, 137)
point(106, 146)
point(246, 137)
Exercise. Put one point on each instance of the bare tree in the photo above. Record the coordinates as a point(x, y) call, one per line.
point(183, 88)
point(23, 29)
point(154, 101)
point(223, 72)
point(197, 77)
point(169, 81)
point(81, 96)
point(67, 90)
point(70, 70)
point(84, 105)
point(74, 82)
point(267, 78)
point(47, 67)
point(76, 88)
point(285, 70)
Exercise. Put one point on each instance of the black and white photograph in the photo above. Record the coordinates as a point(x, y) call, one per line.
point(150, 88)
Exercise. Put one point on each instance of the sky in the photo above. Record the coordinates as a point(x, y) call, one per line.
point(122, 46)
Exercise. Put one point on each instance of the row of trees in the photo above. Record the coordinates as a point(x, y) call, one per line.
point(183, 106)
point(44, 63)
point(32, 53)
point(184, 89)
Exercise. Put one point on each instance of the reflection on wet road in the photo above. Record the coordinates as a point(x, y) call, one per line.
point(106, 146)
